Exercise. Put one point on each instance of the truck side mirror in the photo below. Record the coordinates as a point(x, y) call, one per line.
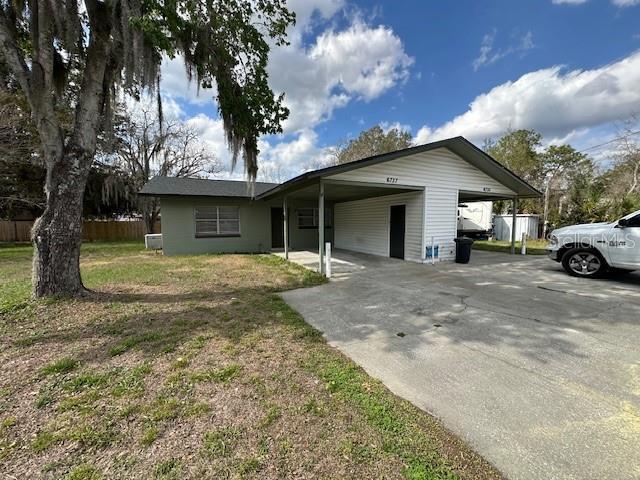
point(623, 222)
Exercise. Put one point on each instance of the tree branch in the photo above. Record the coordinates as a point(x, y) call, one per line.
point(23, 200)
point(13, 56)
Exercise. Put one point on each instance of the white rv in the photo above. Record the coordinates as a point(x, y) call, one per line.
point(475, 219)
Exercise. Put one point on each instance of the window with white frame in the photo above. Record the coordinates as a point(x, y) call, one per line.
point(308, 217)
point(217, 221)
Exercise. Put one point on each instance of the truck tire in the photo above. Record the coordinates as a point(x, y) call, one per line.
point(584, 262)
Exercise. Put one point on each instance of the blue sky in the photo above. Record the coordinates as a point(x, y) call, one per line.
point(568, 68)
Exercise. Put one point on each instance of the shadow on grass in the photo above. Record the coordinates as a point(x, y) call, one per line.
point(229, 315)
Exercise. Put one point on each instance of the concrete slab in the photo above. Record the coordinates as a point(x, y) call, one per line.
point(539, 371)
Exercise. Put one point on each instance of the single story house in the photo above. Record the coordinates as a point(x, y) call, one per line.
point(400, 204)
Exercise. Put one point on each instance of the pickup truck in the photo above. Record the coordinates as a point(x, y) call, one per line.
point(591, 250)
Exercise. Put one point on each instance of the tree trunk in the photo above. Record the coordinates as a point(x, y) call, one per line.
point(149, 209)
point(149, 222)
point(57, 234)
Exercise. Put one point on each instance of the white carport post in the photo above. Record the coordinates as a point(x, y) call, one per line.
point(321, 228)
point(285, 222)
point(514, 218)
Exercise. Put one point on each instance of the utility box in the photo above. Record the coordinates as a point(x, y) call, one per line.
point(153, 241)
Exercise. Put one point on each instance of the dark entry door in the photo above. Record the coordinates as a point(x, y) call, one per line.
point(277, 227)
point(396, 231)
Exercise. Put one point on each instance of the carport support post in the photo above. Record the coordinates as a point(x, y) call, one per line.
point(321, 228)
point(285, 222)
point(514, 213)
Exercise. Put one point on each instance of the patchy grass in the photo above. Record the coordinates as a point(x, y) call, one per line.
point(64, 365)
point(223, 375)
point(168, 469)
point(149, 435)
point(83, 472)
point(534, 247)
point(194, 367)
point(220, 442)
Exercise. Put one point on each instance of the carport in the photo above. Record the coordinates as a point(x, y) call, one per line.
point(417, 189)
point(328, 193)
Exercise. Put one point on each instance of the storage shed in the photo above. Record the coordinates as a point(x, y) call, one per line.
point(525, 223)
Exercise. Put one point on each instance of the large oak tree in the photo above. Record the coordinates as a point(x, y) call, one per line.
point(95, 48)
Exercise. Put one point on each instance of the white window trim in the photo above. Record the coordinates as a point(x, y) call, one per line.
point(215, 235)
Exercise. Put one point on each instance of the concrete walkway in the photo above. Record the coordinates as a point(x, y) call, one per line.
point(539, 371)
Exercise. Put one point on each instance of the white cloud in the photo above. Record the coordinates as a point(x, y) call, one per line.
point(489, 55)
point(174, 83)
point(319, 73)
point(279, 159)
point(309, 12)
point(295, 155)
point(367, 61)
point(359, 62)
point(211, 133)
point(171, 109)
point(552, 101)
point(569, 2)
point(387, 126)
point(617, 3)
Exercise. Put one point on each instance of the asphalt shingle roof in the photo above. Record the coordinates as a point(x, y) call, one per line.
point(201, 187)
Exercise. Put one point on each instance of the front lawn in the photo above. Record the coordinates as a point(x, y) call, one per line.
point(193, 367)
point(534, 247)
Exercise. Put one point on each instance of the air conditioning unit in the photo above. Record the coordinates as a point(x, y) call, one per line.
point(153, 241)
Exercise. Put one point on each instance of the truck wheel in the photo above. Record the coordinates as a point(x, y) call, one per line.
point(584, 262)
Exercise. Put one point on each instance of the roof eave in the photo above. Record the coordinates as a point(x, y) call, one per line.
point(527, 191)
point(238, 197)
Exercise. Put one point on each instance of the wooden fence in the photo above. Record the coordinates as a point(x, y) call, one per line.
point(92, 230)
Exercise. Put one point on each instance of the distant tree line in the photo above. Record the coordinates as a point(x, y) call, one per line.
point(139, 146)
point(575, 188)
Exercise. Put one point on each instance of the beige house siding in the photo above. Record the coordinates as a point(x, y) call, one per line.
point(442, 173)
point(441, 220)
point(438, 168)
point(363, 225)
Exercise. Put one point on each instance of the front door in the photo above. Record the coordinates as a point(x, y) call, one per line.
point(277, 227)
point(396, 231)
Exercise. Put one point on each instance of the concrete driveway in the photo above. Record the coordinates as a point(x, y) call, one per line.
point(539, 371)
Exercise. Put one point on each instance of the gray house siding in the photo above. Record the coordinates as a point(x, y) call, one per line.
point(179, 236)
point(306, 238)
point(178, 227)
